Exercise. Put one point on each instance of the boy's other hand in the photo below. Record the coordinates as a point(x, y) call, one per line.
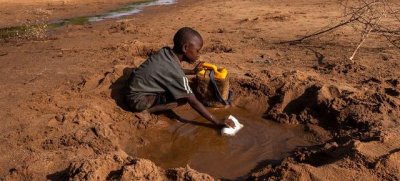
point(198, 67)
point(229, 122)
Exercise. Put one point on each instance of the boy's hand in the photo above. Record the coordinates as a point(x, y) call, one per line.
point(198, 67)
point(229, 123)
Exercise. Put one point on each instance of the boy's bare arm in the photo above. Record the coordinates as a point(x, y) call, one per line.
point(196, 105)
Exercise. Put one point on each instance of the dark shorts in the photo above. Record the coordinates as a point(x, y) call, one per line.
point(141, 101)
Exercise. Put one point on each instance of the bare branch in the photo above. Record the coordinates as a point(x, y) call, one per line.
point(292, 42)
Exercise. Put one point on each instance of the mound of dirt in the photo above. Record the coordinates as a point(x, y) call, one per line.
point(115, 167)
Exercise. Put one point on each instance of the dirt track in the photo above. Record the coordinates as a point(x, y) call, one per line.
point(60, 99)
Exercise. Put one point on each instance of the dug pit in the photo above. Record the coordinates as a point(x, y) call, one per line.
point(201, 146)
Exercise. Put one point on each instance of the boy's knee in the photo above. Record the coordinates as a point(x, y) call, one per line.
point(140, 106)
point(140, 103)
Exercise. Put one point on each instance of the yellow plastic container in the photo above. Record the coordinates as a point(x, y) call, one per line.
point(220, 73)
point(204, 89)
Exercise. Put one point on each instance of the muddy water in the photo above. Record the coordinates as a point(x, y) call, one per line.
point(204, 149)
point(130, 9)
point(127, 10)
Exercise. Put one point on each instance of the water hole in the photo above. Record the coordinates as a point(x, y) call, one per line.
point(203, 148)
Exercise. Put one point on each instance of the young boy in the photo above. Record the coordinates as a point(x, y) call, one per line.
point(161, 84)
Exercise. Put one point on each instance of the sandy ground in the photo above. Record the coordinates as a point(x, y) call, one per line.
point(62, 117)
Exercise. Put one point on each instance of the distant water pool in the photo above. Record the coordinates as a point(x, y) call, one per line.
point(127, 10)
point(130, 9)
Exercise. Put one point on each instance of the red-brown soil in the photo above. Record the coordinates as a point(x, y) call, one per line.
point(61, 109)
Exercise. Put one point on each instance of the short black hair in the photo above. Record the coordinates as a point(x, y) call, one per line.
point(182, 36)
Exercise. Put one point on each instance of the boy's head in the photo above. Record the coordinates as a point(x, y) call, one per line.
point(188, 43)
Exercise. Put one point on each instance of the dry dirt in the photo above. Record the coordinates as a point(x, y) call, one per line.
point(63, 118)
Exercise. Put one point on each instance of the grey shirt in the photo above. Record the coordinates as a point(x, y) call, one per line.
point(160, 73)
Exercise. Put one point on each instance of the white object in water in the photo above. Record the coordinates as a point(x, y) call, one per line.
point(232, 131)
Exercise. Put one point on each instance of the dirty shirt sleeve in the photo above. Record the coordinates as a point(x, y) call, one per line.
point(179, 87)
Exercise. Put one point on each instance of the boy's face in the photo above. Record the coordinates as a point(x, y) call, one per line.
point(192, 50)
